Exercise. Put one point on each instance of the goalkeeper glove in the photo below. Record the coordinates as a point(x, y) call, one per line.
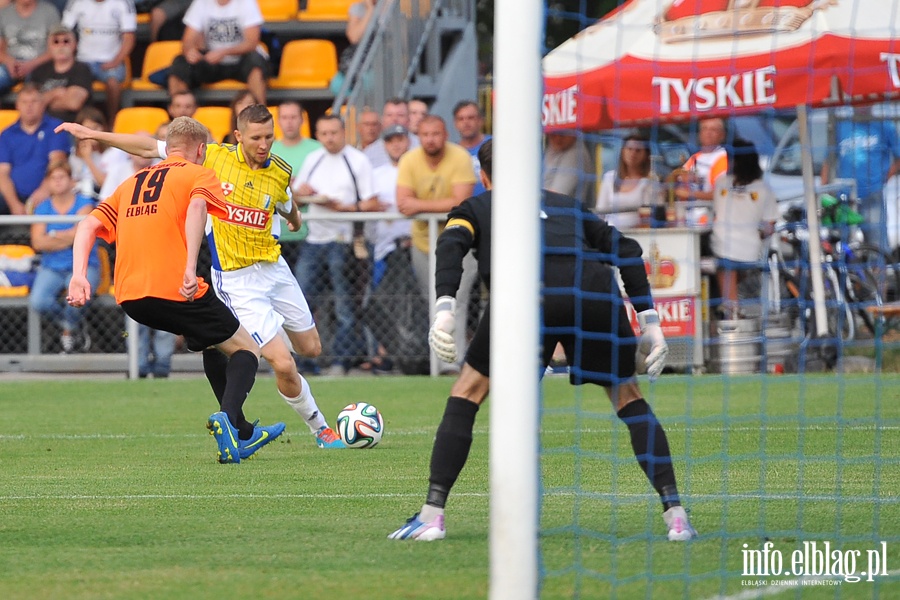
point(652, 348)
point(440, 337)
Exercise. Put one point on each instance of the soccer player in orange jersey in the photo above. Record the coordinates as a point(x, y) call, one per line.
point(248, 271)
point(165, 207)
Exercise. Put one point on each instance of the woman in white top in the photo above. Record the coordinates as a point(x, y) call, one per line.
point(627, 188)
point(745, 214)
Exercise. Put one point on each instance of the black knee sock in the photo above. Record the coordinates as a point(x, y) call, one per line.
point(451, 448)
point(241, 374)
point(215, 365)
point(651, 448)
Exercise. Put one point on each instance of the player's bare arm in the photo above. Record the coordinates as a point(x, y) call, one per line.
point(85, 236)
point(139, 145)
point(194, 223)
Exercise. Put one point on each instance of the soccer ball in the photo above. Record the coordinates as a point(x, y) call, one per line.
point(360, 425)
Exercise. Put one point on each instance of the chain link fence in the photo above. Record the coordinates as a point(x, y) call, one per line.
point(390, 322)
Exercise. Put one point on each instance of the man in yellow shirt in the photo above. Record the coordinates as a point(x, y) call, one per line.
point(434, 178)
point(248, 272)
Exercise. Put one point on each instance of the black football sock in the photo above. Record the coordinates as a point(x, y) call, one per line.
point(241, 374)
point(451, 448)
point(651, 448)
point(215, 365)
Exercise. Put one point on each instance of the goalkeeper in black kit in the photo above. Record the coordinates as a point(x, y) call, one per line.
point(579, 314)
point(581, 303)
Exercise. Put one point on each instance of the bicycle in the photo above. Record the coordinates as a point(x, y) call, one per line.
point(856, 275)
point(871, 277)
point(790, 283)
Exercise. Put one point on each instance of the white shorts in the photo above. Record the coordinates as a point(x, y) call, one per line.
point(264, 297)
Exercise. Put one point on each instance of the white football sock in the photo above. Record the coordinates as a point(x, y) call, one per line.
point(429, 513)
point(305, 406)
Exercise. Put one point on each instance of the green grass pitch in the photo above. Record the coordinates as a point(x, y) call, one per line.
point(110, 489)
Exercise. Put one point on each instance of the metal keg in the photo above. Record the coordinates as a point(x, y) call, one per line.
point(736, 347)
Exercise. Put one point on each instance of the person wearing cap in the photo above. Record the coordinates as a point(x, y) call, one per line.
point(24, 27)
point(394, 112)
point(65, 83)
point(383, 235)
point(386, 237)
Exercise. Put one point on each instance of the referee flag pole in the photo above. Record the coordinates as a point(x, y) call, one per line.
point(515, 285)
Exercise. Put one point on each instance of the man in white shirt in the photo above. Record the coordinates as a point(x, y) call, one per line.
point(106, 34)
point(220, 42)
point(387, 297)
point(384, 234)
point(334, 178)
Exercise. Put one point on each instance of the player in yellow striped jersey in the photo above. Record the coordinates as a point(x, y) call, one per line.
point(248, 272)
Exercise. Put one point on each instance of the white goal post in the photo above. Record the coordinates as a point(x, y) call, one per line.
point(515, 288)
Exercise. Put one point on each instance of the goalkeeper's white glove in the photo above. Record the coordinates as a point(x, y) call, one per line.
point(652, 349)
point(440, 337)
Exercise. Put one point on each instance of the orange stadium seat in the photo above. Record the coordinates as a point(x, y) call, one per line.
point(217, 119)
point(159, 55)
point(278, 10)
point(140, 118)
point(304, 127)
point(8, 116)
point(325, 10)
point(306, 64)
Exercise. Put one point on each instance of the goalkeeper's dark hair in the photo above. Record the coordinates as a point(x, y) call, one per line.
point(486, 158)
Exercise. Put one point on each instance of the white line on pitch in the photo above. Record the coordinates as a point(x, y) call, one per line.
point(482, 430)
point(622, 498)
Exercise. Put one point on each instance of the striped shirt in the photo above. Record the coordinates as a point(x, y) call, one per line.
point(708, 166)
point(248, 234)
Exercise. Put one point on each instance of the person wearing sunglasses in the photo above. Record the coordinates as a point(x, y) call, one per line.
point(65, 83)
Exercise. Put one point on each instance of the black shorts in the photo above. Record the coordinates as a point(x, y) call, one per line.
point(592, 325)
point(202, 72)
point(204, 322)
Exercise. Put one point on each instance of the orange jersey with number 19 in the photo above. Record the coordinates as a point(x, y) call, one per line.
point(145, 217)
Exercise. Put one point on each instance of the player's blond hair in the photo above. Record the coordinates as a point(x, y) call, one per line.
point(185, 133)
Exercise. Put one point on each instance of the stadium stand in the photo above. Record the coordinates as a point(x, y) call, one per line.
point(325, 10)
point(278, 10)
point(140, 118)
point(217, 119)
point(8, 116)
point(306, 64)
point(159, 55)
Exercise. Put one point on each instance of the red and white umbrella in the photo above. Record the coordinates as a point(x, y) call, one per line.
point(669, 60)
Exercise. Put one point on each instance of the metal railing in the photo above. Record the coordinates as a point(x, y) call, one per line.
point(24, 338)
point(400, 45)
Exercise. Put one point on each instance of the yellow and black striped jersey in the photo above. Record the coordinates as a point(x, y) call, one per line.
point(245, 236)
